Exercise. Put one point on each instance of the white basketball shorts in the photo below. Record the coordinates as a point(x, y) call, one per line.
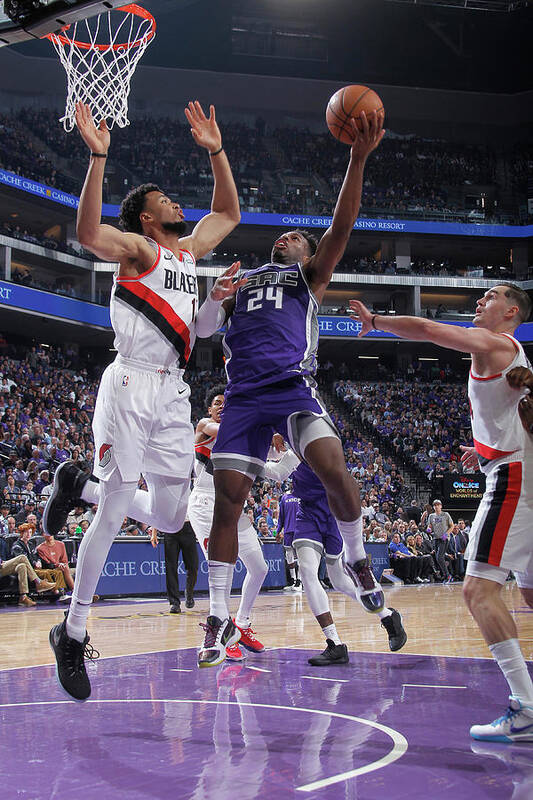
point(142, 422)
point(502, 530)
point(200, 513)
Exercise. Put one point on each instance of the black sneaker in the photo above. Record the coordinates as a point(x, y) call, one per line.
point(69, 481)
point(70, 665)
point(175, 608)
point(189, 602)
point(393, 626)
point(369, 590)
point(332, 655)
point(218, 636)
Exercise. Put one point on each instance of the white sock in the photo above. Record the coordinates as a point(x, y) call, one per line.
point(330, 632)
point(292, 573)
point(77, 619)
point(91, 492)
point(352, 535)
point(385, 612)
point(512, 663)
point(256, 572)
point(220, 579)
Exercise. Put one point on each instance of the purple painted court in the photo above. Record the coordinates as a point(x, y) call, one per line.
point(157, 728)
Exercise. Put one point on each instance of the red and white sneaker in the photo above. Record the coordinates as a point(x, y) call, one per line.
point(249, 640)
point(234, 653)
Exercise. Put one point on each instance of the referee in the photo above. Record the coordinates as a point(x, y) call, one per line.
point(184, 541)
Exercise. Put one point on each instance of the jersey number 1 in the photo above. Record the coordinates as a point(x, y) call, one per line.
point(257, 296)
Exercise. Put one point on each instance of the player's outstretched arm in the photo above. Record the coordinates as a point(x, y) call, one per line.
point(225, 212)
point(465, 340)
point(104, 241)
point(219, 303)
point(333, 244)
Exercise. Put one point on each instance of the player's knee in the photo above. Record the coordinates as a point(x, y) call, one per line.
point(479, 594)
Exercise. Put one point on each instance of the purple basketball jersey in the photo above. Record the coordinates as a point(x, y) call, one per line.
point(272, 334)
point(288, 506)
point(310, 489)
point(314, 520)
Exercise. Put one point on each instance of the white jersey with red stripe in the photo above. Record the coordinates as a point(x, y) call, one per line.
point(499, 436)
point(203, 465)
point(153, 314)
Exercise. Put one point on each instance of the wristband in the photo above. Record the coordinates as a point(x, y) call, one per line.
point(99, 155)
point(372, 320)
point(220, 149)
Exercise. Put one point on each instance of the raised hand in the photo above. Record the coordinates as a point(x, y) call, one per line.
point(369, 138)
point(98, 138)
point(361, 313)
point(225, 286)
point(205, 130)
point(469, 458)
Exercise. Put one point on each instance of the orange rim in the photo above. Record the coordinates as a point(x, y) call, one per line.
point(131, 8)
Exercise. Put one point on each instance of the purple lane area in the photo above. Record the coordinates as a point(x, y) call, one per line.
point(157, 728)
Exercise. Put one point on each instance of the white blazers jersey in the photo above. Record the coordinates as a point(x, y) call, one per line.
point(204, 466)
point(496, 426)
point(153, 314)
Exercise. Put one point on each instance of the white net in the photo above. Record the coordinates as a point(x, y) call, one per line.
point(100, 56)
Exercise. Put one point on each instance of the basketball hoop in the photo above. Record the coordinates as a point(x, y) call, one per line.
point(100, 63)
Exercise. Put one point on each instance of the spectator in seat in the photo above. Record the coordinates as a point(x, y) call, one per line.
point(263, 529)
point(24, 548)
point(403, 562)
point(76, 515)
point(455, 553)
point(424, 563)
point(25, 512)
point(21, 567)
point(4, 514)
point(53, 555)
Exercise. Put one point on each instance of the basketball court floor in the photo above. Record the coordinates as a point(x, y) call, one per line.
point(156, 727)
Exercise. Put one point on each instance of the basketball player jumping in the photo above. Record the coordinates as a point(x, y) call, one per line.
point(200, 510)
point(270, 346)
point(142, 415)
point(500, 538)
point(315, 533)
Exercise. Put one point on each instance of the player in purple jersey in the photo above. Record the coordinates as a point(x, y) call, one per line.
point(270, 347)
point(316, 532)
point(288, 506)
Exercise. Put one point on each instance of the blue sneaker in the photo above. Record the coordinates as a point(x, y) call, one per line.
point(516, 725)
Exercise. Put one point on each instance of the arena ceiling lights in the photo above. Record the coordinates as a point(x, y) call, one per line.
point(471, 5)
point(32, 19)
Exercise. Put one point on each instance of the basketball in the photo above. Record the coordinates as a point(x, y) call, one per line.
point(347, 103)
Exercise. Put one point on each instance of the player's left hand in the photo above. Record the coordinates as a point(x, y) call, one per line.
point(154, 541)
point(361, 314)
point(367, 139)
point(525, 411)
point(205, 130)
point(226, 285)
point(519, 377)
point(278, 443)
point(469, 459)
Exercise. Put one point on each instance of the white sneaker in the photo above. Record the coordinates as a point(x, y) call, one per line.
point(297, 587)
point(516, 725)
point(219, 634)
point(288, 589)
